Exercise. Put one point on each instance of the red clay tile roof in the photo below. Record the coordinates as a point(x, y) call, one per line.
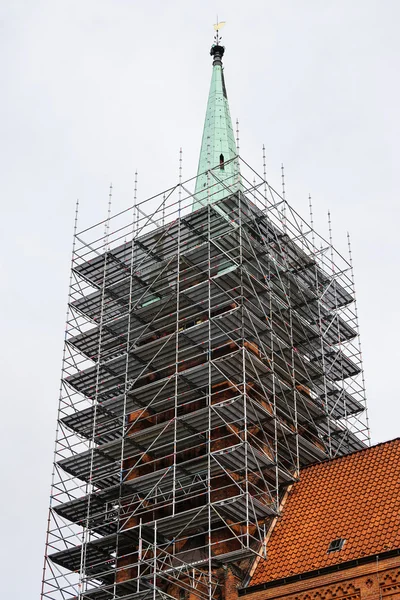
point(356, 497)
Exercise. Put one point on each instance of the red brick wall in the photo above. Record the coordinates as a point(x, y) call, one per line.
point(377, 580)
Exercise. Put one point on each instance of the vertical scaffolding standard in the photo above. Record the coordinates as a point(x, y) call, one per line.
point(209, 355)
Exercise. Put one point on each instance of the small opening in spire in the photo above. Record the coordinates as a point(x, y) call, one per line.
point(221, 162)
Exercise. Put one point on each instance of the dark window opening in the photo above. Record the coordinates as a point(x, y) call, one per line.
point(221, 162)
point(336, 545)
point(182, 594)
point(223, 86)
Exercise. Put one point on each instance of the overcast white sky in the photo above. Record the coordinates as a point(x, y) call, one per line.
point(93, 89)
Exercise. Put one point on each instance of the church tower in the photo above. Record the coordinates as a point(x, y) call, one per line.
point(211, 351)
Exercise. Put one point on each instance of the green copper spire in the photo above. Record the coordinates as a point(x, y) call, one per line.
point(218, 147)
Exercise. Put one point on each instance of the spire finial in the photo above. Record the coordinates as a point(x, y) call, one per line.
point(217, 51)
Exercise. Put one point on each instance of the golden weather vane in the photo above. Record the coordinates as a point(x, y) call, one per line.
point(217, 26)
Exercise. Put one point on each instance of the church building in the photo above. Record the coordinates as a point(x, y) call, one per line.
point(212, 434)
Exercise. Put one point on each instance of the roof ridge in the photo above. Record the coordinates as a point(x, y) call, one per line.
point(337, 458)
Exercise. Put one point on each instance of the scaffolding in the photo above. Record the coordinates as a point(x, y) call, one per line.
point(209, 355)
